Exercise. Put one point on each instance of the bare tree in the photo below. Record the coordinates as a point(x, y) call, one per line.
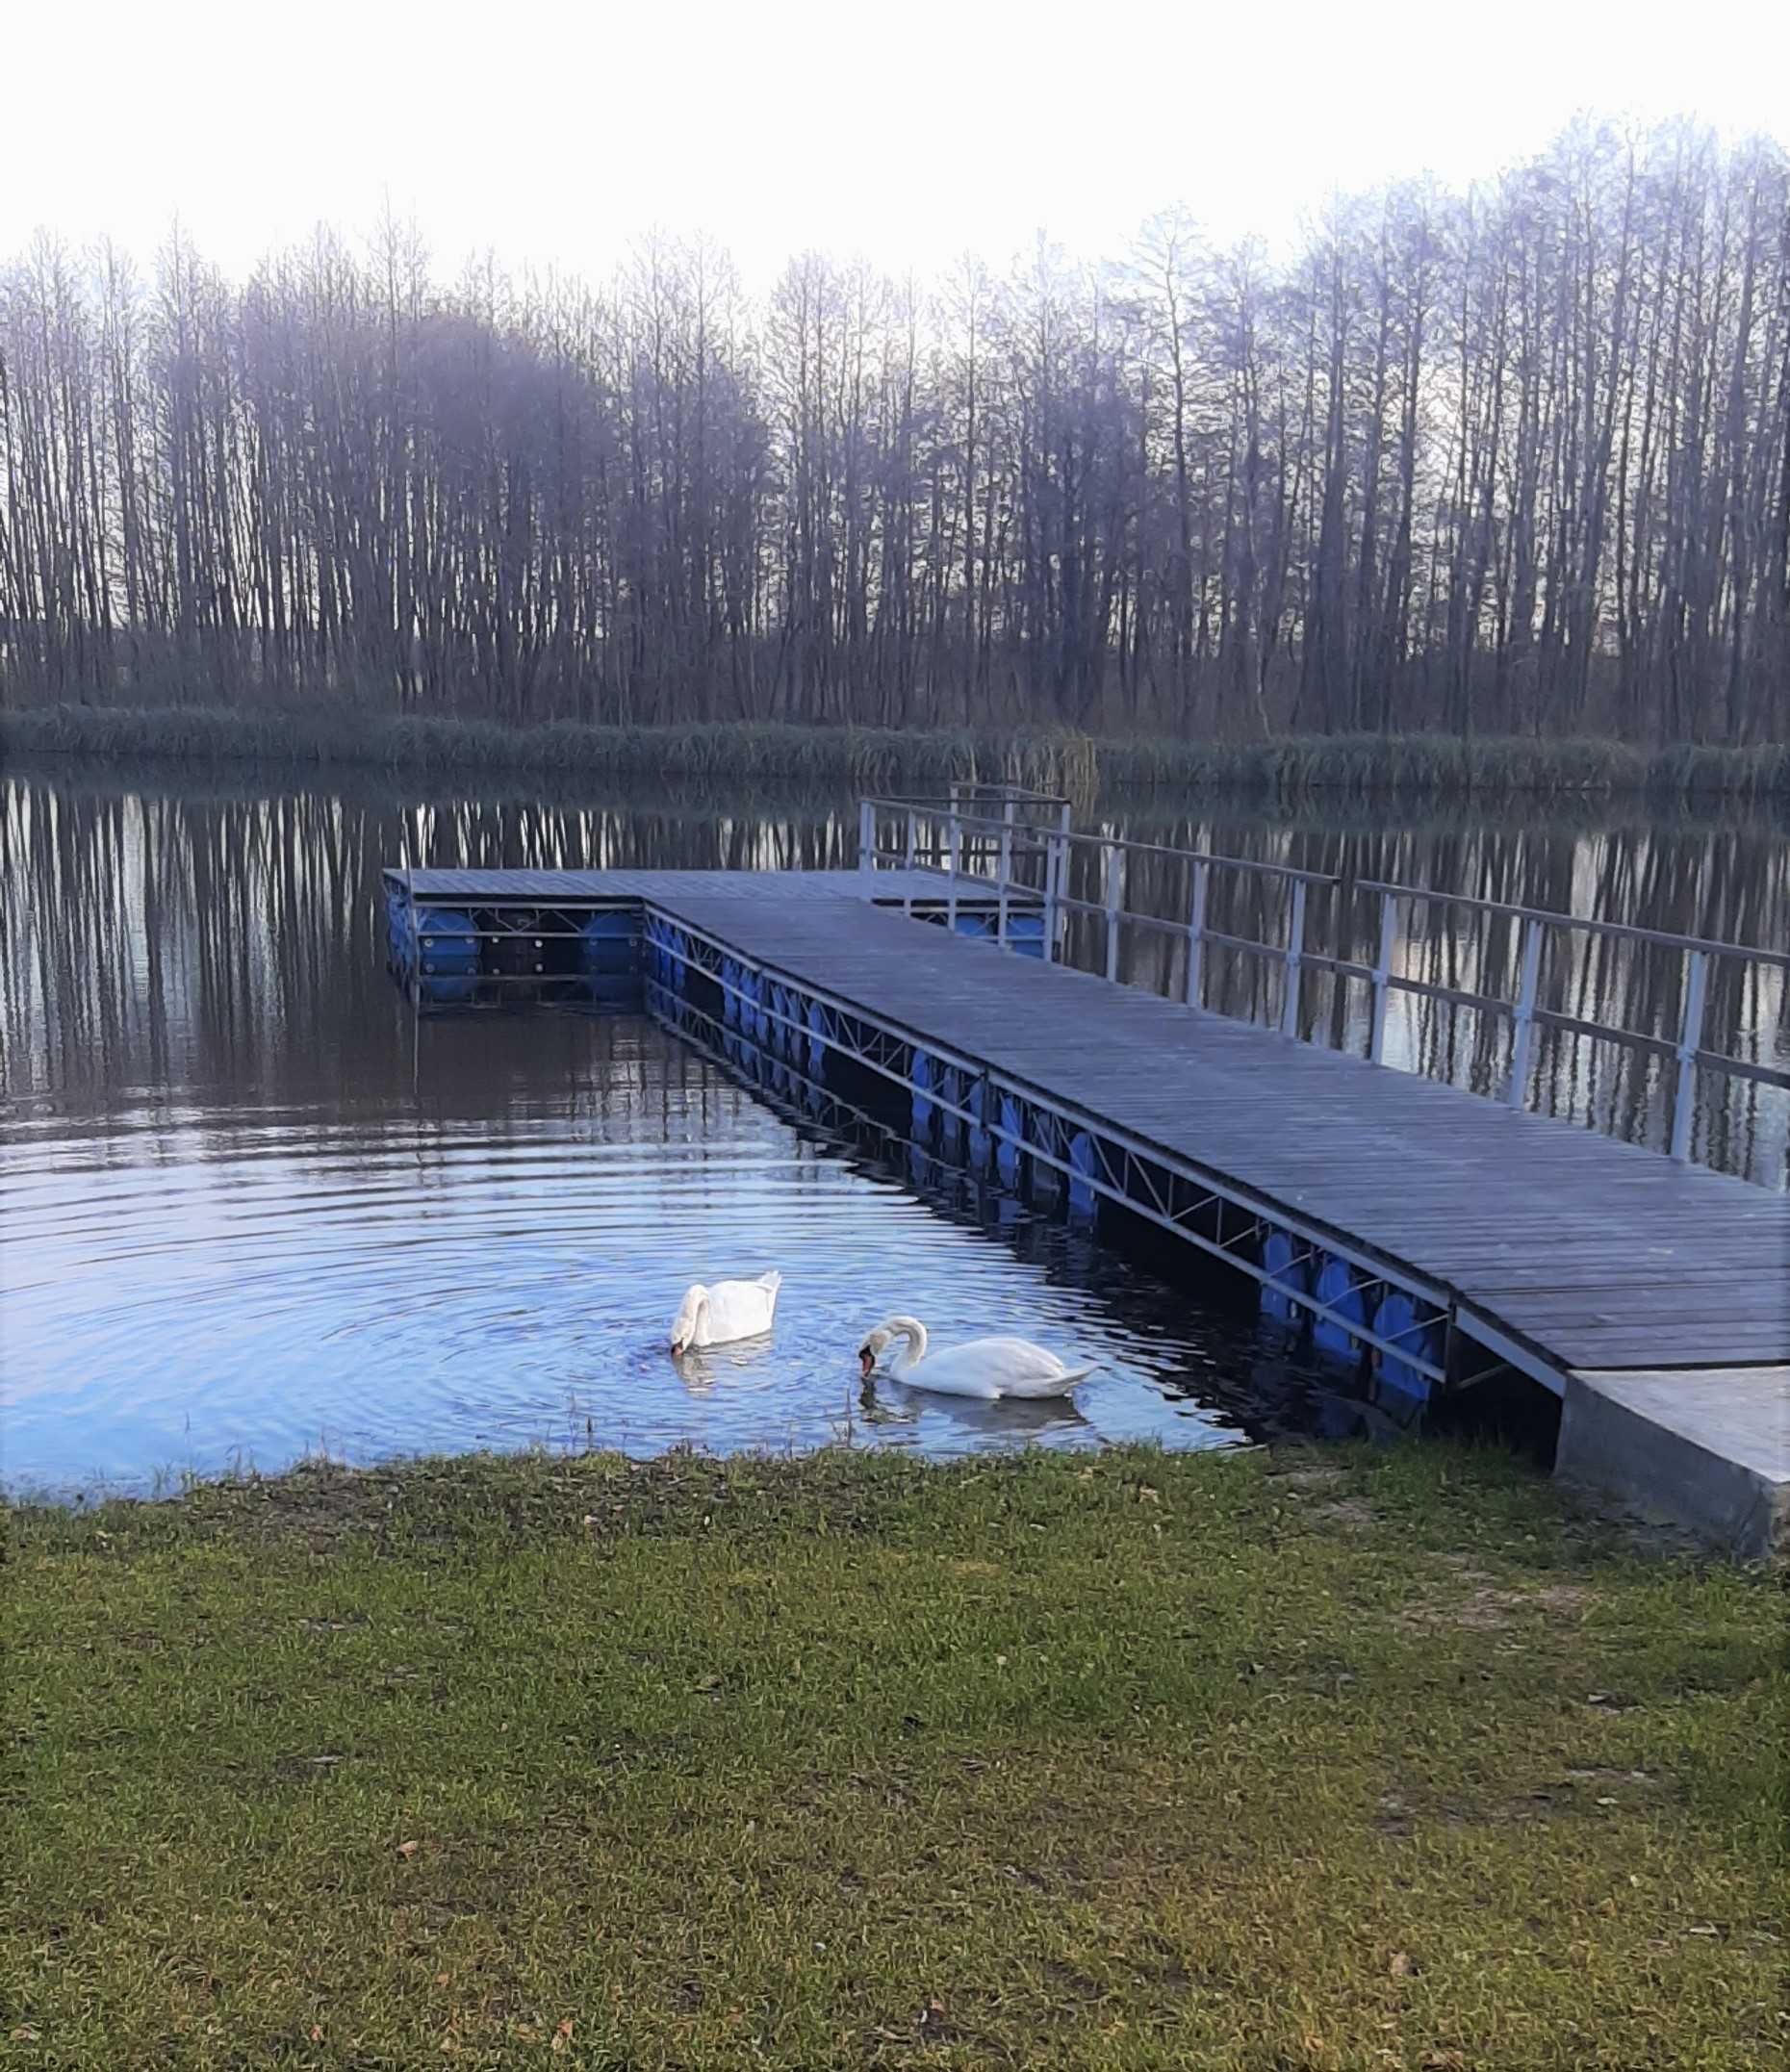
point(1514, 459)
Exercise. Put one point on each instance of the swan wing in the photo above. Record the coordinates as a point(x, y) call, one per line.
point(955, 1372)
point(993, 1367)
point(740, 1309)
point(1021, 1369)
point(1044, 1385)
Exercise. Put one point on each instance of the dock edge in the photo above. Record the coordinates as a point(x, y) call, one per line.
point(1708, 1450)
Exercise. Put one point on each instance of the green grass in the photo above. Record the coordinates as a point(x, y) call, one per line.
point(1131, 1761)
point(338, 735)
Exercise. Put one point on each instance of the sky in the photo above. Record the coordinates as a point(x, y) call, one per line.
point(909, 130)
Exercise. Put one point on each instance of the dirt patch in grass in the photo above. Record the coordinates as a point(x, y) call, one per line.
point(1308, 1476)
point(1486, 1608)
point(1348, 1513)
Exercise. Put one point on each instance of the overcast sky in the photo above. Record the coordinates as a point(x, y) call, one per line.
point(907, 129)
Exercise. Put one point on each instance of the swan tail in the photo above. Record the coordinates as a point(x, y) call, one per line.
point(1040, 1386)
point(771, 1282)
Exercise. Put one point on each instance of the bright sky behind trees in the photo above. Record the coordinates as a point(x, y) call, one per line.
point(557, 133)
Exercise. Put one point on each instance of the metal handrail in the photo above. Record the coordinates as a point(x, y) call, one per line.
point(1068, 902)
point(1206, 856)
point(936, 799)
point(1687, 1048)
point(1002, 790)
point(1581, 924)
point(1251, 864)
point(1055, 845)
point(1525, 1011)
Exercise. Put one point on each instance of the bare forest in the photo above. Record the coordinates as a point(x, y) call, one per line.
point(1509, 462)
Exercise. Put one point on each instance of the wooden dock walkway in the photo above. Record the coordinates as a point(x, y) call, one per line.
point(1592, 1254)
point(1651, 1294)
point(1589, 1254)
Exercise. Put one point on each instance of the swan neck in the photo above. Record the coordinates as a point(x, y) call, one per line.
point(913, 1331)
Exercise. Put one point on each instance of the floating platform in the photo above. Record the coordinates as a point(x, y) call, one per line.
point(1437, 1236)
point(464, 938)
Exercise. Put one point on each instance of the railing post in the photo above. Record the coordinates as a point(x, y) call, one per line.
point(1007, 872)
point(1383, 976)
point(1690, 1042)
point(1056, 868)
point(1050, 897)
point(906, 903)
point(1115, 900)
point(1295, 961)
point(1523, 1031)
point(866, 839)
point(954, 847)
point(1196, 932)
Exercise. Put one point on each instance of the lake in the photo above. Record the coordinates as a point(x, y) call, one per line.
point(255, 1208)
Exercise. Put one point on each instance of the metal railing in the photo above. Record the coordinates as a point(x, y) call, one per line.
point(1003, 853)
point(965, 839)
point(1527, 1013)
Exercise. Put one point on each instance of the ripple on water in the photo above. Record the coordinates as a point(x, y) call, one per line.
point(203, 1287)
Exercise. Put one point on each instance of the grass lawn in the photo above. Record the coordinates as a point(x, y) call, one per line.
point(1264, 1761)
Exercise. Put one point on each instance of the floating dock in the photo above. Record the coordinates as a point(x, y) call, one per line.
point(1432, 1235)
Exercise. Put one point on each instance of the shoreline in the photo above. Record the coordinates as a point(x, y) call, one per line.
point(864, 758)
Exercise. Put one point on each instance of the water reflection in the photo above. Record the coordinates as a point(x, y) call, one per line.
point(886, 1401)
point(203, 933)
point(253, 1207)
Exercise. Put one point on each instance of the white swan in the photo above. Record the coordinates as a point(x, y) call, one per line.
point(989, 1367)
point(726, 1310)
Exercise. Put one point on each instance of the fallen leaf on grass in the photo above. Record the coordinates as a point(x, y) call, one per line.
point(407, 1848)
point(562, 2035)
point(317, 2032)
point(1399, 1964)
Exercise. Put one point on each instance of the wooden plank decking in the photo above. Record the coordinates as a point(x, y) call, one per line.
point(1594, 1254)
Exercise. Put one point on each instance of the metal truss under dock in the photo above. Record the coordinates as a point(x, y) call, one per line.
point(1424, 1225)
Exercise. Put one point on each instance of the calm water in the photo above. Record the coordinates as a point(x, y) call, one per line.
point(254, 1209)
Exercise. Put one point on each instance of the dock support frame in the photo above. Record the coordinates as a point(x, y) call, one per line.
point(1220, 1218)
